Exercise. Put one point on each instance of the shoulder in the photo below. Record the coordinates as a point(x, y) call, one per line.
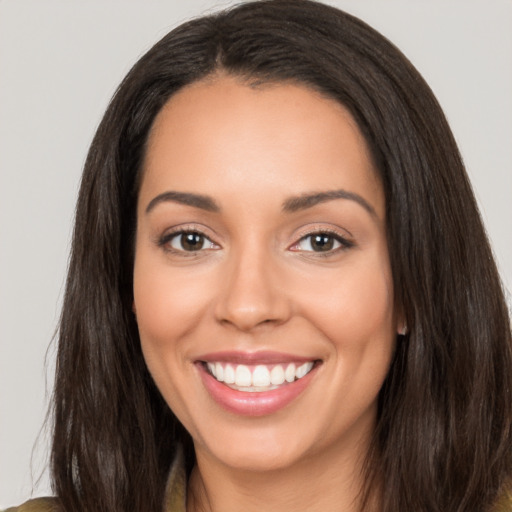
point(37, 505)
point(504, 504)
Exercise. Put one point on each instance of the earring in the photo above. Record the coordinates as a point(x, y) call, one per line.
point(403, 331)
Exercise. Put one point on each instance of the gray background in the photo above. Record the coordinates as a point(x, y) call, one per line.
point(60, 61)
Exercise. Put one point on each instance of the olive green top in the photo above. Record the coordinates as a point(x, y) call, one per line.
point(175, 495)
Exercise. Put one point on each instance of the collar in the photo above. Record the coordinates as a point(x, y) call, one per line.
point(176, 488)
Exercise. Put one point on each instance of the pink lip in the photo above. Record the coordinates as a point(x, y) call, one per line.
point(252, 358)
point(255, 403)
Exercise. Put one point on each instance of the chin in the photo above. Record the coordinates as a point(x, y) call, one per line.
point(257, 459)
point(263, 449)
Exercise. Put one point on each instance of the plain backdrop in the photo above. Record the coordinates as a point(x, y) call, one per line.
point(60, 62)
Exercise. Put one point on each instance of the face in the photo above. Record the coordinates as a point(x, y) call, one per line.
point(262, 284)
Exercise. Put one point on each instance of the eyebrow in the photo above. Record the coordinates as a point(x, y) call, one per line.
point(290, 205)
point(196, 200)
point(303, 202)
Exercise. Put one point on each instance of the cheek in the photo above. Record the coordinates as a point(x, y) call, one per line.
point(167, 306)
point(167, 303)
point(354, 307)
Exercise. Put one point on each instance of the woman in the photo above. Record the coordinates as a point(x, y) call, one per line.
point(280, 286)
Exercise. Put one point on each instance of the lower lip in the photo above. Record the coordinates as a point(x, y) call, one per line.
point(253, 403)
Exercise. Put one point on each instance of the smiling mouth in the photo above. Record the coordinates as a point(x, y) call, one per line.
point(258, 378)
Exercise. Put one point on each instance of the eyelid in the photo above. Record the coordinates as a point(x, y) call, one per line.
point(339, 234)
point(346, 242)
point(164, 239)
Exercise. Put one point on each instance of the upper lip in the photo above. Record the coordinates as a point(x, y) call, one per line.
point(252, 358)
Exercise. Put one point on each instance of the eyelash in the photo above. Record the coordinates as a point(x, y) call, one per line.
point(345, 243)
point(166, 239)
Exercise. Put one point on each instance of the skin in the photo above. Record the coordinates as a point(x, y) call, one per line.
point(259, 286)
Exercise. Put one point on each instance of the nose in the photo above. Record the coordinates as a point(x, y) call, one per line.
point(252, 293)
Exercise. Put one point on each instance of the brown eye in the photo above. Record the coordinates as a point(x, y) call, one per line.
point(318, 242)
point(190, 241)
point(322, 242)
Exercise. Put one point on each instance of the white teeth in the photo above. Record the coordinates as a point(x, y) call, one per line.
point(303, 370)
point(219, 372)
point(261, 376)
point(242, 375)
point(277, 375)
point(289, 374)
point(229, 374)
point(258, 378)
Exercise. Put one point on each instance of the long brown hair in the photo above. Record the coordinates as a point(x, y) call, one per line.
point(443, 435)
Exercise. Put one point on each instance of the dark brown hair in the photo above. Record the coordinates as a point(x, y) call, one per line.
point(443, 435)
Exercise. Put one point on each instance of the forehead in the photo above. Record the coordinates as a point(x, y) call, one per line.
point(225, 135)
